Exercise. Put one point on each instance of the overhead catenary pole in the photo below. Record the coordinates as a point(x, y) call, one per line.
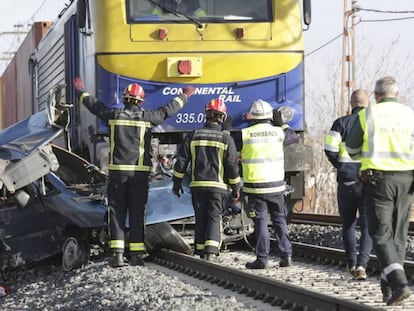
point(354, 56)
point(348, 57)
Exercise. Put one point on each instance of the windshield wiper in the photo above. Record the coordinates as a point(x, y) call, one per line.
point(176, 13)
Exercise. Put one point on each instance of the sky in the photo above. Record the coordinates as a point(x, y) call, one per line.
point(320, 43)
point(22, 13)
point(374, 32)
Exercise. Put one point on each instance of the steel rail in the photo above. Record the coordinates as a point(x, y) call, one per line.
point(324, 220)
point(276, 293)
point(337, 256)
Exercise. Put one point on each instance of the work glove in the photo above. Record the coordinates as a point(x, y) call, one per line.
point(277, 118)
point(235, 194)
point(226, 125)
point(188, 90)
point(177, 189)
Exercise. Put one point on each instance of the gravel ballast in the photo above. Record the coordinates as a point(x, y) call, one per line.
point(97, 286)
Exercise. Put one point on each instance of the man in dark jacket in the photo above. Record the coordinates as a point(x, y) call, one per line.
point(129, 163)
point(214, 168)
point(349, 191)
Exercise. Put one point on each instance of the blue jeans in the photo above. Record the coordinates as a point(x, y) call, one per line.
point(351, 200)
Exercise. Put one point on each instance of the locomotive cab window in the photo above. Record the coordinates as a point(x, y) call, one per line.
point(213, 11)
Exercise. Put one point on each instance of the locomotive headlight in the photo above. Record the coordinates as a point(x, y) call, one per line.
point(287, 113)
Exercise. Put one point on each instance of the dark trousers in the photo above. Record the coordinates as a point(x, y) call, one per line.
point(388, 206)
point(262, 206)
point(128, 194)
point(351, 201)
point(208, 208)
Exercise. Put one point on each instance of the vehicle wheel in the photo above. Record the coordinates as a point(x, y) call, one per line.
point(74, 253)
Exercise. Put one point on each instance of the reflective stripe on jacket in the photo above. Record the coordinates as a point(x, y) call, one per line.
point(335, 150)
point(388, 137)
point(130, 131)
point(263, 159)
point(213, 158)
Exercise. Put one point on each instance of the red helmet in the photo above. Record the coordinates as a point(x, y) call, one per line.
point(216, 109)
point(216, 105)
point(134, 91)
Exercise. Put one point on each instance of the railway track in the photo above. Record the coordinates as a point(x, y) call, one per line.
point(326, 220)
point(317, 281)
point(337, 257)
point(274, 292)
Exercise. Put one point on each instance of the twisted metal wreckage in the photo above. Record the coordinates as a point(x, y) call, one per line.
point(53, 201)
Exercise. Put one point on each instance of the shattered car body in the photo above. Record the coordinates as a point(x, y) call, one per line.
point(42, 212)
point(53, 201)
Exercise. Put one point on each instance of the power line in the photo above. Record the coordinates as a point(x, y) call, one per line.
point(385, 20)
point(367, 21)
point(387, 12)
point(47, 9)
point(35, 13)
point(324, 45)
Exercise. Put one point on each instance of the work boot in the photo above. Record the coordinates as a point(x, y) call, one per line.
point(117, 260)
point(285, 262)
point(210, 257)
point(386, 291)
point(351, 270)
point(398, 295)
point(257, 264)
point(136, 261)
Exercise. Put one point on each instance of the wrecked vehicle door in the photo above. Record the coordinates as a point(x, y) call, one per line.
point(49, 215)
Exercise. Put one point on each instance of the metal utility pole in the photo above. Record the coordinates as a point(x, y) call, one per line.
point(348, 57)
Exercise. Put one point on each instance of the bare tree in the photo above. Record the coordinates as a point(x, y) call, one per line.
point(322, 106)
point(323, 89)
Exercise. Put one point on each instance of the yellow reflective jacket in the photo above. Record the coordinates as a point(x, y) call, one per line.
point(263, 159)
point(387, 137)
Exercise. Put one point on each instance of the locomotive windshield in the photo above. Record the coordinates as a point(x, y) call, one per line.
point(215, 11)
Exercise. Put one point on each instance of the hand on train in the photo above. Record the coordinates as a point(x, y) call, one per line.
point(189, 90)
point(177, 189)
point(277, 117)
point(78, 84)
point(226, 125)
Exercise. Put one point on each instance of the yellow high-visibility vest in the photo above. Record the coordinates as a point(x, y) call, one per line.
point(263, 159)
point(388, 142)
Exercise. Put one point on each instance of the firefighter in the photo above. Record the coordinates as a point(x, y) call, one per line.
point(262, 156)
point(213, 157)
point(129, 163)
